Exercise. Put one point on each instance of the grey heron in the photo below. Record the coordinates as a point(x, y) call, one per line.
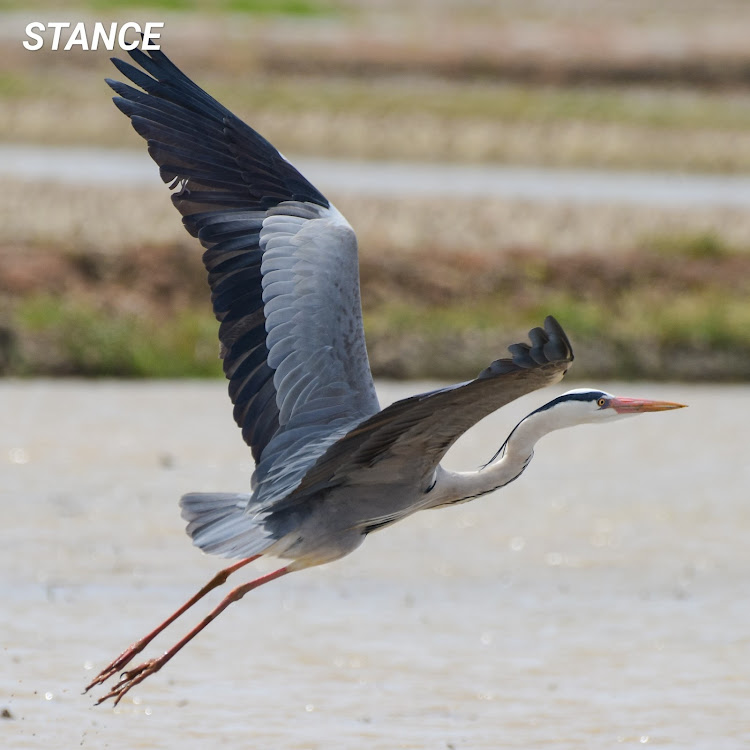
point(331, 465)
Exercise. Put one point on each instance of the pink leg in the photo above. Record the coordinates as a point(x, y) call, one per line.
point(127, 656)
point(133, 676)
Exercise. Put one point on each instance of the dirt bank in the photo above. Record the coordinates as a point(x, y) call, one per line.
point(673, 313)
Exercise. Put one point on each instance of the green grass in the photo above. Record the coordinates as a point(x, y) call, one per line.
point(59, 337)
point(631, 332)
point(704, 245)
point(73, 337)
point(278, 7)
point(659, 108)
point(16, 84)
point(302, 8)
point(641, 316)
point(394, 117)
point(251, 7)
point(682, 110)
point(710, 320)
point(704, 318)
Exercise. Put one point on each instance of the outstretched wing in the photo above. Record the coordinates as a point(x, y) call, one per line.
point(408, 439)
point(281, 260)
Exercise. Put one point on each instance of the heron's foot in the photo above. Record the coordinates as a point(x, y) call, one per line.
point(133, 677)
point(117, 665)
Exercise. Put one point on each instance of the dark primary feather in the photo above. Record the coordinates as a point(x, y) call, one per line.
point(230, 181)
point(282, 267)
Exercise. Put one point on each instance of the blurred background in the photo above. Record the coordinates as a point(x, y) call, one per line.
point(500, 160)
point(606, 144)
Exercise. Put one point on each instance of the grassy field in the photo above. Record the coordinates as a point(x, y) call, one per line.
point(114, 219)
point(424, 328)
point(436, 119)
point(579, 83)
point(675, 307)
point(102, 281)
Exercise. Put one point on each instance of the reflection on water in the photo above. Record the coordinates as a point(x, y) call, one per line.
point(601, 600)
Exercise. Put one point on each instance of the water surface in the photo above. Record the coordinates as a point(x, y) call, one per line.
point(603, 600)
point(92, 166)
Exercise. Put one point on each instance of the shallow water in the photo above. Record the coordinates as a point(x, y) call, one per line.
point(600, 601)
point(91, 166)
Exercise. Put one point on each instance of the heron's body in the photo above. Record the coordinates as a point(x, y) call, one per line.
point(331, 466)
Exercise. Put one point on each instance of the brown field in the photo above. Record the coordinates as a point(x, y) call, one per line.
point(114, 219)
point(445, 289)
point(88, 274)
point(584, 83)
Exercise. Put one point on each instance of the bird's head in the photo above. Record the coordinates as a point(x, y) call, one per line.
point(590, 406)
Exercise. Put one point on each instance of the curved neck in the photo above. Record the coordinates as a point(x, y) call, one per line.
point(508, 464)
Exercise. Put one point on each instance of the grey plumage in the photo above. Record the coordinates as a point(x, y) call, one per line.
point(331, 466)
point(283, 270)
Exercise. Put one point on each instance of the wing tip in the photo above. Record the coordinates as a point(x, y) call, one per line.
point(549, 346)
point(558, 347)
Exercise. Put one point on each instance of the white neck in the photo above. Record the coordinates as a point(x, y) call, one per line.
point(512, 459)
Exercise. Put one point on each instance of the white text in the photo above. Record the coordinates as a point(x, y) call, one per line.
point(84, 39)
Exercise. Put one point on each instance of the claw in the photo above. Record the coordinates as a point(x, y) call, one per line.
point(116, 666)
point(130, 679)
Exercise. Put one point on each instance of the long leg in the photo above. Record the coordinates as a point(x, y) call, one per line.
point(127, 656)
point(133, 676)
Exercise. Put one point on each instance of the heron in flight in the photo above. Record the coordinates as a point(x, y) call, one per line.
point(331, 465)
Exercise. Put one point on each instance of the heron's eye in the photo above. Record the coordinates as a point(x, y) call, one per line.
point(601, 403)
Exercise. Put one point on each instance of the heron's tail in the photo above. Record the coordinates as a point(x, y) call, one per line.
point(219, 524)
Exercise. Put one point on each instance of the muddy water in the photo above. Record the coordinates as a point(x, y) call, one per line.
point(601, 601)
